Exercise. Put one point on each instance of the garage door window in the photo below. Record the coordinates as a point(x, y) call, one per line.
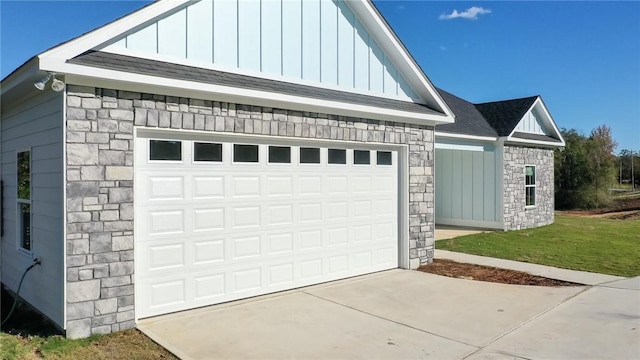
point(165, 150)
point(384, 158)
point(309, 155)
point(245, 153)
point(337, 156)
point(361, 157)
point(280, 154)
point(207, 152)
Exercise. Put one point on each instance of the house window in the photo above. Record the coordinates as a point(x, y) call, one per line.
point(530, 185)
point(24, 200)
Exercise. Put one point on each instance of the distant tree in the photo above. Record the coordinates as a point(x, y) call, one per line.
point(572, 172)
point(585, 169)
point(600, 149)
point(629, 162)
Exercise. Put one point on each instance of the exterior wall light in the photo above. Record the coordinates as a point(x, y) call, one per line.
point(56, 85)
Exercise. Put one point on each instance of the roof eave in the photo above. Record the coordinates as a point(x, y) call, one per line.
point(529, 142)
point(99, 77)
point(22, 74)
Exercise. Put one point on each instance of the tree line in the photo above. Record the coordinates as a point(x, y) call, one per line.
point(587, 169)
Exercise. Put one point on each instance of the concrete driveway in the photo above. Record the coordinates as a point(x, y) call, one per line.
point(403, 314)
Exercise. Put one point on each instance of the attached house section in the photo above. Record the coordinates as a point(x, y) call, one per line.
point(229, 201)
point(494, 165)
point(32, 181)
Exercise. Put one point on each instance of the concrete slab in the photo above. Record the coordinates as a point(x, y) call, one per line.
point(471, 312)
point(580, 277)
point(443, 233)
point(628, 284)
point(295, 325)
point(601, 323)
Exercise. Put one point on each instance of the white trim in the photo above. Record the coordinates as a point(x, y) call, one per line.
point(469, 223)
point(55, 59)
point(19, 201)
point(403, 207)
point(88, 76)
point(465, 147)
point(107, 32)
point(399, 54)
point(549, 121)
point(517, 140)
point(534, 186)
point(64, 208)
point(499, 151)
point(20, 75)
point(464, 136)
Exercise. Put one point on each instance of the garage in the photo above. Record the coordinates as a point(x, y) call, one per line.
point(226, 218)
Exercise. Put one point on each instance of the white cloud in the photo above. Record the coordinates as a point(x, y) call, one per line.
point(471, 13)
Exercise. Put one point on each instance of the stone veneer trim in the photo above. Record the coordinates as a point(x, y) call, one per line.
point(515, 215)
point(99, 172)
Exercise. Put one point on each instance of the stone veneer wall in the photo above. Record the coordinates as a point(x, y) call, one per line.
point(516, 217)
point(99, 133)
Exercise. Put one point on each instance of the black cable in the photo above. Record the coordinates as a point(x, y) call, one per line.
point(15, 299)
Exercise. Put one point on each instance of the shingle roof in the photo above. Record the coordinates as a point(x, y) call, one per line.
point(469, 120)
point(504, 116)
point(169, 70)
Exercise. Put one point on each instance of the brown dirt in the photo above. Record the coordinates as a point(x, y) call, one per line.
point(623, 208)
point(486, 273)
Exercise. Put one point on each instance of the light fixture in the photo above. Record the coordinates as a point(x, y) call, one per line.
point(56, 85)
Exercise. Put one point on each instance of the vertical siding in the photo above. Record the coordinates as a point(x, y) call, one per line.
point(531, 123)
point(318, 41)
point(225, 24)
point(200, 32)
point(292, 38)
point(465, 189)
point(35, 124)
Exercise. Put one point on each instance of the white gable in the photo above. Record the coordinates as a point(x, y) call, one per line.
point(532, 123)
point(320, 42)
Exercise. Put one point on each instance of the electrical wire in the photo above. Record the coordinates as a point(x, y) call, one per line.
point(36, 261)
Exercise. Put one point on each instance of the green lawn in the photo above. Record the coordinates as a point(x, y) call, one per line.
point(579, 243)
point(130, 344)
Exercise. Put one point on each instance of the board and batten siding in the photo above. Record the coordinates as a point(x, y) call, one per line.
point(531, 123)
point(467, 187)
point(36, 125)
point(317, 41)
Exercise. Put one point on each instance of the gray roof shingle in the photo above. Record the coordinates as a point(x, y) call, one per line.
point(504, 116)
point(469, 120)
point(169, 70)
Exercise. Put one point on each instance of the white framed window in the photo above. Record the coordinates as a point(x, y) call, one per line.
point(23, 164)
point(530, 185)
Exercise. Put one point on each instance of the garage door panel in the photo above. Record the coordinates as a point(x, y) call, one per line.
point(208, 187)
point(207, 234)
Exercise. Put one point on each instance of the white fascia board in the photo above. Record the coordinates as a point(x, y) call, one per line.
point(519, 141)
point(21, 75)
point(465, 137)
point(399, 54)
point(90, 76)
point(548, 120)
point(465, 147)
point(106, 33)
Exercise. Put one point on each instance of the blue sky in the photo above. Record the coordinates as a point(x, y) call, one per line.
point(582, 57)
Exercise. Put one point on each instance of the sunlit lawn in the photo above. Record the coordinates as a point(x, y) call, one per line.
point(579, 243)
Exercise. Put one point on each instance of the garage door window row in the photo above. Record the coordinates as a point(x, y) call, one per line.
point(164, 150)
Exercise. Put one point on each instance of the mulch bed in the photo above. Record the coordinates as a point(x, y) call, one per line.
point(24, 320)
point(486, 273)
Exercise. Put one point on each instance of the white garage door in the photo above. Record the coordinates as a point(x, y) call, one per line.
point(221, 221)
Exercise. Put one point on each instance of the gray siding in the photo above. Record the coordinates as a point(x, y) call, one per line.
point(35, 124)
